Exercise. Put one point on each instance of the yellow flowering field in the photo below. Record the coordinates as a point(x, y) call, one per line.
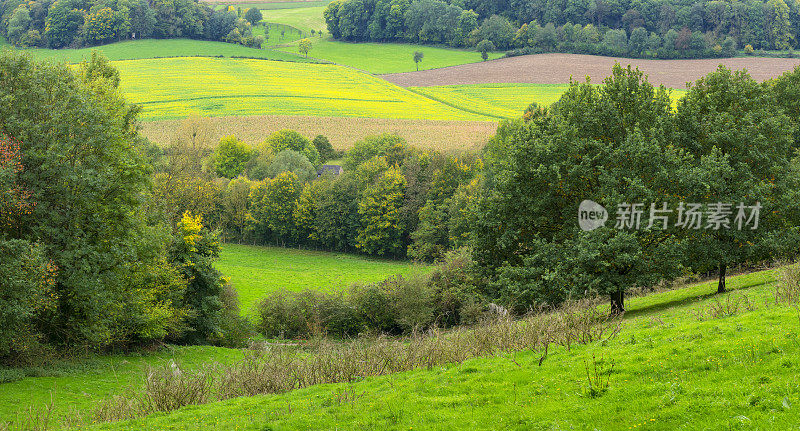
point(497, 100)
point(500, 100)
point(179, 87)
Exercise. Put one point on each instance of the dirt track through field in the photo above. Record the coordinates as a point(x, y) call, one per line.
point(558, 68)
point(342, 131)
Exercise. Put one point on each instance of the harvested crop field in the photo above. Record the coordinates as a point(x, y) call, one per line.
point(558, 68)
point(342, 131)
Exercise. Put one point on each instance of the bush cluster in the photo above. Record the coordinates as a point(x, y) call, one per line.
point(448, 296)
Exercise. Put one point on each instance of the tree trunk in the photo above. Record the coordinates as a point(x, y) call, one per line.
point(617, 303)
point(721, 285)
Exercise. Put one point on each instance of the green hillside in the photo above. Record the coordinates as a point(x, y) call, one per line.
point(684, 359)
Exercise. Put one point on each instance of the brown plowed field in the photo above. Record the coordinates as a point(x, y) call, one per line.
point(445, 136)
point(558, 68)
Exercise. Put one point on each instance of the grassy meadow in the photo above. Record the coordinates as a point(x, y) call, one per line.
point(302, 18)
point(258, 271)
point(178, 87)
point(277, 34)
point(684, 356)
point(382, 58)
point(155, 48)
point(673, 366)
point(270, 5)
point(77, 387)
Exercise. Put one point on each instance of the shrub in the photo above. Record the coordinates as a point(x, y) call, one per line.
point(169, 388)
point(372, 303)
point(236, 330)
point(8, 375)
point(455, 283)
point(787, 290)
point(283, 367)
point(398, 305)
point(26, 281)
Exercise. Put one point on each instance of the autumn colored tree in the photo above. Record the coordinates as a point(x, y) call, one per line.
point(381, 232)
point(83, 166)
point(193, 251)
point(14, 198)
point(304, 46)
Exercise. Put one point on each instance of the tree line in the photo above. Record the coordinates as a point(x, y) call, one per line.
point(78, 23)
point(87, 261)
point(648, 29)
point(390, 200)
point(730, 140)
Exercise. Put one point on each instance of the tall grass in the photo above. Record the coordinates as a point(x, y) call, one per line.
point(269, 368)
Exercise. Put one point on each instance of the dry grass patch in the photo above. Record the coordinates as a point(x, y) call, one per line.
point(342, 131)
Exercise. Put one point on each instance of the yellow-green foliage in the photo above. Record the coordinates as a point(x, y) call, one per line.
point(178, 87)
point(381, 231)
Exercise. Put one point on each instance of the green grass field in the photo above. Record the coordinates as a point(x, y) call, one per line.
point(371, 57)
point(674, 367)
point(305, 18)
point(271, 5)
point(152, 48)
point(277, 34)
point(80, 386)
point(258, 271)
point(178, 87)
point(388, 57)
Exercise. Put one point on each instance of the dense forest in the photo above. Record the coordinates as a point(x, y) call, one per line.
point(77, 23)
point(650, 28)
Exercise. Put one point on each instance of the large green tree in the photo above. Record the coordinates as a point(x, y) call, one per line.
point(742, 145)
point(601, 143)
point(230, 157)
point(381, 230)
point(86, 174)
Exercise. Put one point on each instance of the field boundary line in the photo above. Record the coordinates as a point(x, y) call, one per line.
point(453, 105)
